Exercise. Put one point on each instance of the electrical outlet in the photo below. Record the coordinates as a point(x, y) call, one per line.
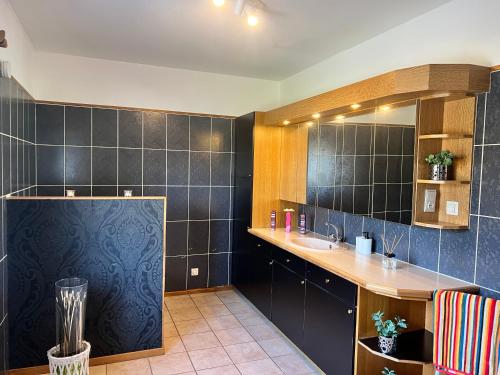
point(452, 208)
point(430, 200)
point(194, 271)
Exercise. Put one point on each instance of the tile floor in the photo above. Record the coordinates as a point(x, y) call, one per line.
point(217, 333)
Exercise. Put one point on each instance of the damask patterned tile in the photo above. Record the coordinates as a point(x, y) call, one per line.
point(488, 253)
point(424, 247)
point(458, 252)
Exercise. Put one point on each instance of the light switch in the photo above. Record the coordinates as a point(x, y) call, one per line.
point(194, 271)
point(430, 200)
point(452, 208)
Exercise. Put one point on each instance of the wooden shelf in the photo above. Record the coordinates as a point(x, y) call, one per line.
point(446, 182)
point(440, 225)
point(444, 136)
point(412, 347)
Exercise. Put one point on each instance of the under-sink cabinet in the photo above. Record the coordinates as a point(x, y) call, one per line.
point(314, 308)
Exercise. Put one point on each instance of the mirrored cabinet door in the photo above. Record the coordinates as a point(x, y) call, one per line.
point(362, 162)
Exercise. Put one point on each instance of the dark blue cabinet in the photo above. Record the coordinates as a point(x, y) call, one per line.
point(329, 331)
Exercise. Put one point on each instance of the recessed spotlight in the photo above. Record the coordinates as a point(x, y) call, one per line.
point(385, 107)
point(355, 106)
point(218, 3)
point(286, 122)
point(309, 123)
point(316, 116)
point(252, 20)
point(339, 117)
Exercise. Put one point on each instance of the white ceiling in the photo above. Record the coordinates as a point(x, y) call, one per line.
point(193, 34)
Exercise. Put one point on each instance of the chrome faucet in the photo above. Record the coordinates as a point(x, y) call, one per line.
point(337, 237)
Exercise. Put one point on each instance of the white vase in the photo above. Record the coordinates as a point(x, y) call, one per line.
point(387, 345)
point(77, 364)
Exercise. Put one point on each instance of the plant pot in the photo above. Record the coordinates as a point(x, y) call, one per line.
point(77, 364)
point(387, 345)
point(439, 172)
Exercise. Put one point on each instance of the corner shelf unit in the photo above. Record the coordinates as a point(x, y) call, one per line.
point(445, 123)
point(412, 347)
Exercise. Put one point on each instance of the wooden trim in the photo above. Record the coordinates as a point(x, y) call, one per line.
point(495, 68)
point(97, 361)
point(396, 86)
point(199, 290)
point(167, 111)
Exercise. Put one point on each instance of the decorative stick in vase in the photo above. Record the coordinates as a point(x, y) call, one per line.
point(389, 260)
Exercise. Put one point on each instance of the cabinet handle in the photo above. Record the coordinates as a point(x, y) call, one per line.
point(327, 281)
point(288, 260)
point(302, 282)
point(259, 245)
point(349, 311)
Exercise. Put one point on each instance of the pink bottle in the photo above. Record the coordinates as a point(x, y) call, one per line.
point(288, 220)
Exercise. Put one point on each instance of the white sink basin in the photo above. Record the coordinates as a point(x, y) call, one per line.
point(313, 243)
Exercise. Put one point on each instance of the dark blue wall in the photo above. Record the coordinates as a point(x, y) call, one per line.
point(101, 151)
point(17, 177)
point(472, 255)
point(116, 244)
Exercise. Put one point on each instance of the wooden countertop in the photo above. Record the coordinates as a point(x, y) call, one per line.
point(406, 282)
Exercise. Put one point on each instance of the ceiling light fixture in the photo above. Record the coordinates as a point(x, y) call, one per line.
point(339, 117)
point(316, 116)
point(385, 107)
point(355, 106)
point(309, 123)
point(218, 3)
point(286, 122)
point(252, 20)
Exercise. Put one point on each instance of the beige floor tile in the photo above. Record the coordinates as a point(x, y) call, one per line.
point(224, 370)
point(210, 311)
point(169, 364)
point(199, 341)
point(295, 364)
point(174, 345)
point(247, 352)
point(251, 319)
point(262, 367)
point(187, 313)
point(229, 296)
point(206, 299)
point(188, 327)
point(239, 308)
point(263, 332)
point(223, 322)
point(276, 347)
point(169, 329)
point(233, 336)
point(179, 302)
point(135, 367)
point(209, 358)
point(166, 316)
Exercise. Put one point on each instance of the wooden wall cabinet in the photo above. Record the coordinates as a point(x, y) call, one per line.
point(445, 123)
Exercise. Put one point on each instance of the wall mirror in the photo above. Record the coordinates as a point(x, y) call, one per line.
point(362, 162)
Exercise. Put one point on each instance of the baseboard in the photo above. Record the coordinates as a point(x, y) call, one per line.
point(200, 290)
point(36, 370)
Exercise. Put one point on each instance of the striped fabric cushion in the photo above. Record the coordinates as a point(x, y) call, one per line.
point(466, 334)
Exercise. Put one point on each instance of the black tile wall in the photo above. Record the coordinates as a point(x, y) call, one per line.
point(472, 255)
point(102, 151)
point(17, 137)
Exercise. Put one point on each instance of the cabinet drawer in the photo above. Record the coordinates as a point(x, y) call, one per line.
point(338, 286)
point(289, 260)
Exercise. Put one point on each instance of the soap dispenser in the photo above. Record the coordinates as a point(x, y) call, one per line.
point(364, 244)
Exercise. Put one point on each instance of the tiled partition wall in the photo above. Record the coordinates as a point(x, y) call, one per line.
point(17, 134)
point(102, 151)
point(472, 255)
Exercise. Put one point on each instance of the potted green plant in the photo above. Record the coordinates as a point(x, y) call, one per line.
point(388, 331)
point(439, 164)
point(386, 371)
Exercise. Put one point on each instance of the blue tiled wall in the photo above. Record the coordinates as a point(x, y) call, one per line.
point(17, 177)
point(117, 245)
point(472, 255)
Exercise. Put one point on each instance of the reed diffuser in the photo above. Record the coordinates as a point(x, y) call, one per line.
point(389, 261)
